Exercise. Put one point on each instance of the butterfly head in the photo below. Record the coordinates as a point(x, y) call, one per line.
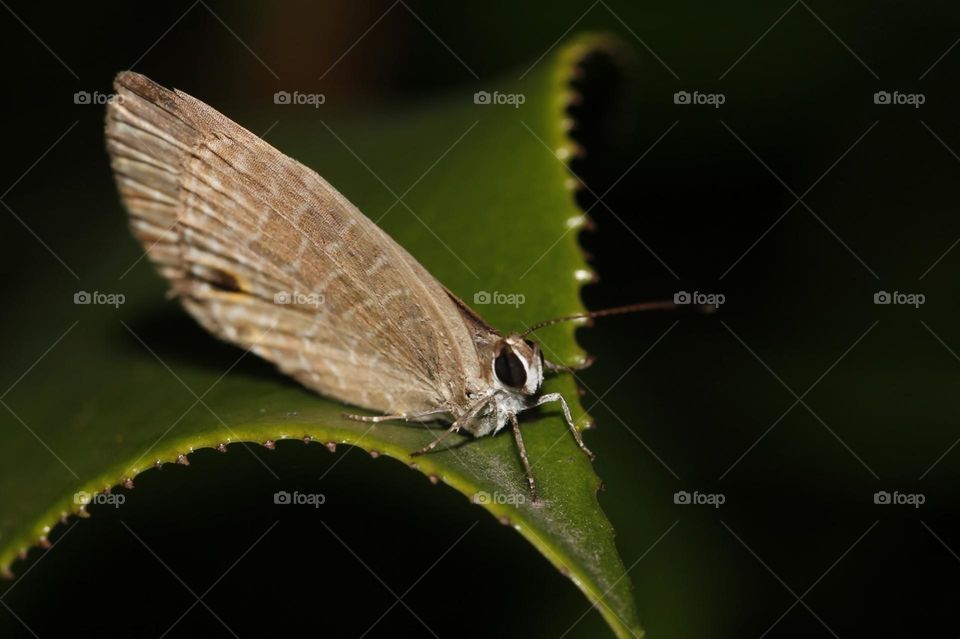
point(518, 365)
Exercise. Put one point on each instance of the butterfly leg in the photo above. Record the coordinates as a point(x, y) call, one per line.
point(524, 458)
point(401, 416)
point(560, 368)
point(557, 397)
point(454, 427)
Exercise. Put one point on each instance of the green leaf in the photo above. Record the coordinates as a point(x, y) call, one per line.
point(479, 193)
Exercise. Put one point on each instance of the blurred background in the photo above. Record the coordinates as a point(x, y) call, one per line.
point(814, 166)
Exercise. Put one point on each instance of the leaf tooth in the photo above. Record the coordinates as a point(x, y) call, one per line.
point(270, 444)
point(585, 276)
point(374, 453)
point(182, 460)
point(307, 439)
point(43, 542)
point(221, 447)
point(332, 447)
point(128, 483)
point(434, 479)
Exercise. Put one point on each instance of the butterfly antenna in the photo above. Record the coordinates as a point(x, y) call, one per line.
point(663, 305)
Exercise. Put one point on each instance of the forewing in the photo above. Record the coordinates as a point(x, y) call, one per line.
point(264, 253)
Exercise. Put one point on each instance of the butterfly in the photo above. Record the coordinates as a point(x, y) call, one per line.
point(266, 254)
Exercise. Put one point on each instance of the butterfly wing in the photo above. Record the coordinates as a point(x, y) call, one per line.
point(264, 253)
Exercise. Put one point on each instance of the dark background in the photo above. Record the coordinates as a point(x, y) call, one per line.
point(799, 520)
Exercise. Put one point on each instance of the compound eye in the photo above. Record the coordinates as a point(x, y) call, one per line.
point(509, 369)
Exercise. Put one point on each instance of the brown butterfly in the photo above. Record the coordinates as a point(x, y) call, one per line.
point(265, 254)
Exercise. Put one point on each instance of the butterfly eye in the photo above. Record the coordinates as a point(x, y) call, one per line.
point(509, 369)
